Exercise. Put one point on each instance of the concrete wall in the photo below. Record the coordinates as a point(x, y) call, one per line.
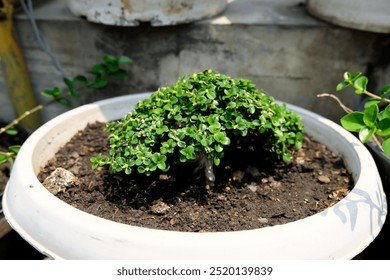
point(276, 44)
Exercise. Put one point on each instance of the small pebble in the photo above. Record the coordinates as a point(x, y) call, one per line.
point(323, 179)
point(60, 180)
point(159, 208)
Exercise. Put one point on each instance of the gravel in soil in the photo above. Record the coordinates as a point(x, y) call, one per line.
point(251, 190)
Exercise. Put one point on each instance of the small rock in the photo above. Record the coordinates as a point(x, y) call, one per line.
point(300, 160)
point(166, 177)
point(60, 180)
point(253, 188)
point(323, 179)
point(74, 155)
point(159, 208)
point(263, 220)
point(173, 221)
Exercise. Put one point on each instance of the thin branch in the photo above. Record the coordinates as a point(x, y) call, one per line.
point(21, 117)
point(342, 105)
point(376, 97)
point(348, 110)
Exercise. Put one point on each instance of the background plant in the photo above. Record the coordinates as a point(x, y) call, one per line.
point(373, 121)
point(195, 120)
point(98, 78)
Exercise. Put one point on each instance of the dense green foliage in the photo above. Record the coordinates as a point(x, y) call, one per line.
point(197, 117)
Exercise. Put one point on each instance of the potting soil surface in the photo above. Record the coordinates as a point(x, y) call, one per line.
point(251, 190)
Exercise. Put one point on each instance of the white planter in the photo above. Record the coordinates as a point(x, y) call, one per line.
point(367, 15)
point(63, 232)
point(157, 12)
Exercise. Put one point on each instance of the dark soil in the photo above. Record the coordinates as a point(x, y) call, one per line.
point(251, 191)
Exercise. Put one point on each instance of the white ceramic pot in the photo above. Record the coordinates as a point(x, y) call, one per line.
point(157, 12)
point(367, 15)
point(64, 232)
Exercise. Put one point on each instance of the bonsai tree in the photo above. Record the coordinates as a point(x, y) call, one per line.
point(374, 122)
point(195, 120)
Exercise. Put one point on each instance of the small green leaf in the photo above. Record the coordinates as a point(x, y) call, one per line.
point(384, 127)
point(360, 85)
point(384, 90)
point(181, 144)
point(160, 130)
point(63, 101)
point(215, 128)
point(211, 94)
point(371, 115)
point(384, 113)
point(342, 86)
point(125, 60)
point(218, 148)
point(353, 121)
point(97, 69)
point(355, 75)
point(112, 68)
point(231, 105)
point(3, 158)
point(287, 157)
point(366, 133)
point(71, 87)
point(298, 140)
point(12, 131)
point(386, 147)
point(54, 92)
point(222, 138)
point(119, 73)
point(371, 102)
point(347, 76)
point(141, 169)
point(14, 149)
point(99, 83)
point(188, 152)
point(128, 171)
point(80, 79)
point(110, 59)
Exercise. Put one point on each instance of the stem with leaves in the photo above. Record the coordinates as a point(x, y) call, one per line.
point(100, 74)
point(372, 122)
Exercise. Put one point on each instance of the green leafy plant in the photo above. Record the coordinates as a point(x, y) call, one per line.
point(195, 120)
point(98, 78)
point(371, 123)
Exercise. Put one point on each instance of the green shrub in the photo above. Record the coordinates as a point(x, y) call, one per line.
point(195, 119)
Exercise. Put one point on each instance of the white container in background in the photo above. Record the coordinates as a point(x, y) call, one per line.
point(157, 12)
point(366, 15)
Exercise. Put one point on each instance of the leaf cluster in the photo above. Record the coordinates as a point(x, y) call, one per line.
point(9, 155)
point(373, 121)
point(99, 77)
point(100, 74)
point(198, 116)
